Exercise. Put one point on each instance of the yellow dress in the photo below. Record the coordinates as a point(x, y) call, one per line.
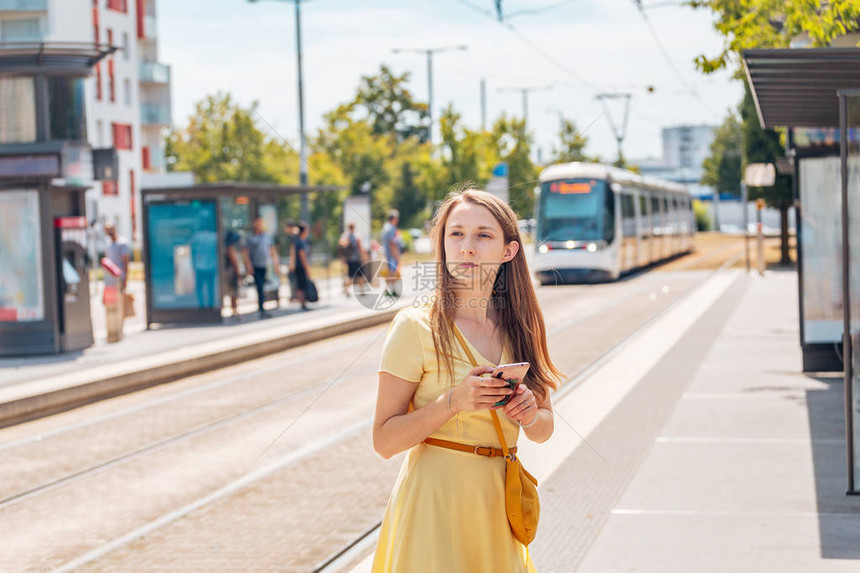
point(446, 513)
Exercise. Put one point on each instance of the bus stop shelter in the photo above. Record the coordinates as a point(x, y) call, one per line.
point(819, 89)
point(185, 231)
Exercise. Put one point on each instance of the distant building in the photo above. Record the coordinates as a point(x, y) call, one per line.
point(127, 98)
point(685, 148)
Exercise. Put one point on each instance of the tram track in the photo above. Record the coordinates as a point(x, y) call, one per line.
point(347, 554)
point(246, 414)
point(291, 397)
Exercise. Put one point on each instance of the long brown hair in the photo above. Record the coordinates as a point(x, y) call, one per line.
point(513, 296)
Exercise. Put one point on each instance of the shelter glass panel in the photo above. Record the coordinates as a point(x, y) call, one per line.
point(821, 246)
point(854, 269)
point(183, 255)
point(17, 110)
point(21, 287)
point(66, 108)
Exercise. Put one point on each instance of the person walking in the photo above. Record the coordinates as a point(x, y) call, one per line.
point(232, 272)
point(299, 265)
point(117, 252)
point(352, 250)
point(391, 247)
point(447, 510)
point(259, 251)
point(291, 229)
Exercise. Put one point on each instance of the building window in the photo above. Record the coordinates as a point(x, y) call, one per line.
point(100, 133)
point(111, 75)
point(66, 109)
point(132, 201)
point(109, 188)
point(126, 84)
point(20, 30)
point(111, 81)
point(146, 158)
point(121, 135)
point(99, 82)
point(118, 6)
point(126, 48)
point(96, 36)
point(17, 110)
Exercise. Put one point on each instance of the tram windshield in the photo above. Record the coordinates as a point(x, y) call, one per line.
point(574, 210)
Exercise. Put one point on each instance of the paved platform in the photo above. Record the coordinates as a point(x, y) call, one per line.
point(38, 385)
point(700, 446)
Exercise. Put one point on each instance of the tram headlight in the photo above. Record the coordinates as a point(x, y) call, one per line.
point(592, 247)
point(570, 245)
point(543, 249)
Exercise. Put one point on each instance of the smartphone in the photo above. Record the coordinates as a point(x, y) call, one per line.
point(516, 371)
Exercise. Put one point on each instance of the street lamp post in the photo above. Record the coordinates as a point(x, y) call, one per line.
point(429, 53)
point(525, 94)
point(304, 209)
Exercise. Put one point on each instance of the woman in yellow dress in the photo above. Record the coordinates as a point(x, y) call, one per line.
point(447, 513)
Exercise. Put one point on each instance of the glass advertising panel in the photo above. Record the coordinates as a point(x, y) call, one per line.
point(183, 255)
point(854, 272)
point(21, 292)
point(821, 242)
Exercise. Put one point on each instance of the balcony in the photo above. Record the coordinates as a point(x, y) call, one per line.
point(23, 5)
point(155, 114)
point(154, 73)
point(150, 31)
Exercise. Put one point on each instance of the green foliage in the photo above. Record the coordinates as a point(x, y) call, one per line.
point(388, 106)
point(223, 143)
point(703, 219)
point(723, 166)
point(513, 144)
point(746, 24)
point(763, 146)
point(572, 144)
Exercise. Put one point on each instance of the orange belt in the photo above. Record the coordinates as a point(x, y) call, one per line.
point(487, 451)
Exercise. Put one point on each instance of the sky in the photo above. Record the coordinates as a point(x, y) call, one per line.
point(578, 49)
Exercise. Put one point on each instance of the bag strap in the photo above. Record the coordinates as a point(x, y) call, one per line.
point(474, 362)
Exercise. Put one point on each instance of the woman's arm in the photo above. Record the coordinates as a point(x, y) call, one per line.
point(395, 430)
point(303, 255)
point(540, 420)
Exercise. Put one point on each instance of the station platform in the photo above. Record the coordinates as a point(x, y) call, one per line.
point(699, 445)
point(38, 385)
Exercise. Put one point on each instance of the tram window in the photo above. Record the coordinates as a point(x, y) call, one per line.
point(628, 216)
point(609, 216)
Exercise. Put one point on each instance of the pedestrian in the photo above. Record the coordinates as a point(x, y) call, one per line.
point(352, 252)
point(291, 229)
point(259, 252)
point(447, 511)
point(118, 252)
point(391, 246)
point(299, 263)
point(232, 271)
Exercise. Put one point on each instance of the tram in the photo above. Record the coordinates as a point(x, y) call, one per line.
point(596, 223)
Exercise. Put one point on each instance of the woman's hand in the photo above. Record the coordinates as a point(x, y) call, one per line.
point(523, 406)
point(478, 392)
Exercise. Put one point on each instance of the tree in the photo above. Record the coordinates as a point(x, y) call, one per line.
point(764, 146)
point(513, 145)
point(723, 167)
point(223, 143)
point(572, 144)
point(389, 107)
point(747, 24)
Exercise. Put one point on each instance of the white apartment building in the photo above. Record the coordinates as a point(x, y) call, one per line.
point(128, 97)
